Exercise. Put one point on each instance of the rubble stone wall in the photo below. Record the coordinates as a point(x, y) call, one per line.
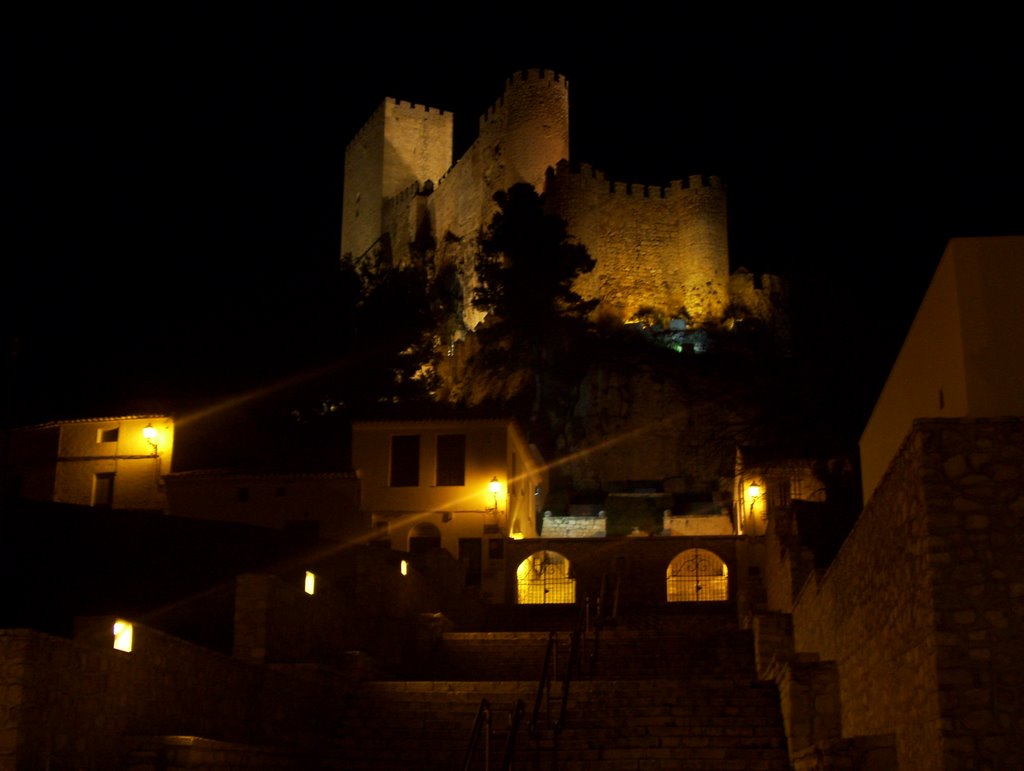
point(922, 609)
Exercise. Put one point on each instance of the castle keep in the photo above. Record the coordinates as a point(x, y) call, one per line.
point(662, 249)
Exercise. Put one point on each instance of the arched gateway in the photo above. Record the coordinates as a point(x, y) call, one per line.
point(544, 578)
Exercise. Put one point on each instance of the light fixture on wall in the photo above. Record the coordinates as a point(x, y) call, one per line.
point(150, 434)
point(495, 488)
point(754, 492)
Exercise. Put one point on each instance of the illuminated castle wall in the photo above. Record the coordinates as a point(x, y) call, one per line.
point(662, 248)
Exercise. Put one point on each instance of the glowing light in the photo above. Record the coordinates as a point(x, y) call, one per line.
point(149, 432)
point(754, 509)
point(123, 636)
point(310, 584)
point(404, 568)
point(517, 536)
point(494, 486)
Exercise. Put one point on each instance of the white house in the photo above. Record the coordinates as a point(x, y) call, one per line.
point(461, 485)
point(114, 463)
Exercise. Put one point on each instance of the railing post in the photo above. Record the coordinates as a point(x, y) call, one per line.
point(515, 719)
point(482, 721)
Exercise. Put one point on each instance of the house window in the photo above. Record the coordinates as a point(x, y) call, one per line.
point(405, 461)
point(451, 460)
point(103, 491)
point(106, 435)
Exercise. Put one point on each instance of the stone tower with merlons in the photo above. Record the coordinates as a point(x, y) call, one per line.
point(659, 250)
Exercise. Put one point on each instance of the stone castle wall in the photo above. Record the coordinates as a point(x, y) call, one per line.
point(526, 131)
point(663, 247)
point(922, 609)
point(400, 145)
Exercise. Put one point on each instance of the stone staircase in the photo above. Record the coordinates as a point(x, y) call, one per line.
point(660, 693)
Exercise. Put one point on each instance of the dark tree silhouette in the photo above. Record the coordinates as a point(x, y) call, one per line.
point(537, 324)
point(526, 267)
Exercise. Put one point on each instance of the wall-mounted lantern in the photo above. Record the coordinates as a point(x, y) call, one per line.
point(309, 585)
point(495, 488)
point(150, 435)
point(755, 497)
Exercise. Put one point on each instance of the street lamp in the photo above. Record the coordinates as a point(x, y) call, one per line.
point(754, 491)
point(150, 434)
point(495, 488)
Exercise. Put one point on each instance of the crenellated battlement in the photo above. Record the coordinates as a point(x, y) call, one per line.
point(588, 175)
point(411, 191)
point(516, 81)
point(655, 245)
point(410, 107)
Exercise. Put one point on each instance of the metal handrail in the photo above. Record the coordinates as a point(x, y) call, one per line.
point(515, 719)
point(482, 721)
point(601, 617)
point(545, 675)
point(573, 663)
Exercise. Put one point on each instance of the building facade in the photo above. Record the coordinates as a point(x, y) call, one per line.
point(464, 486)
point(113, 463)
point(964, 353)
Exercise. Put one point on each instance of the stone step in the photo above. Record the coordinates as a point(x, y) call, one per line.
point(672, 691)
point(619, 653)
point(608, 722)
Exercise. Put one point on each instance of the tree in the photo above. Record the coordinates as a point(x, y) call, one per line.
point(526, 268)
point(536, 322)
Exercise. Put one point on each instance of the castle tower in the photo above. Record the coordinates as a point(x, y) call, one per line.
point(526, 130)
point(401, 145)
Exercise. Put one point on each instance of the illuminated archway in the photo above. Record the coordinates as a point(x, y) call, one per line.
point(697, 575)
point(424, 537)
point(544, 578)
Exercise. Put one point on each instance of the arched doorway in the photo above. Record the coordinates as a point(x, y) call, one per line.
point(424, 537)
point(697, 575)
point(544, 578)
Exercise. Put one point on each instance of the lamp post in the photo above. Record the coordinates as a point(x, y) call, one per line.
point(495, 488)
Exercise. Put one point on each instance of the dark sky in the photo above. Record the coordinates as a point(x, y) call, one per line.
point(177, 173)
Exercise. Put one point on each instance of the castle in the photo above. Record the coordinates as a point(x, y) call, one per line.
point(663, 250)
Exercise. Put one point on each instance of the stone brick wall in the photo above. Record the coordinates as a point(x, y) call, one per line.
point(361, 602)
point(787, 563)
point(574, 527)
point(178, 753)
point(67, 703)
point(401, 144)
point(661, 247)
point(922, 607)
point(973, 482)
point(641, 564)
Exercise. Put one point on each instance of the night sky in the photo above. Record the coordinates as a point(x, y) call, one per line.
point(177, 173)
